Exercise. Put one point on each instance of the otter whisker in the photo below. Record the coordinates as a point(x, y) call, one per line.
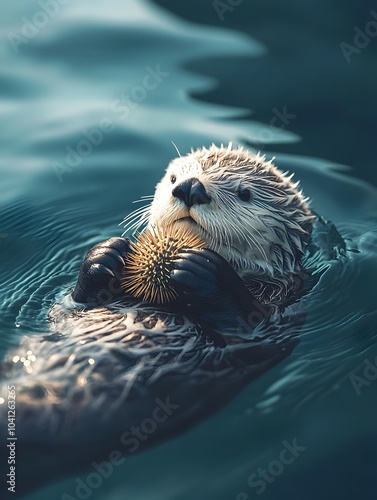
point(143, 200)
point(136, 213)
point(140, 209)
point(136, 219)
point(136, 225)
point(175, 147)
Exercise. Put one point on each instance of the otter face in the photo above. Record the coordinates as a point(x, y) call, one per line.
point(239, 204)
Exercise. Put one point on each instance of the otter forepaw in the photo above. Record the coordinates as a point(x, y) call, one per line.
point(198, 273)
point(101, 272)
point(209, 288)
point(336, 245)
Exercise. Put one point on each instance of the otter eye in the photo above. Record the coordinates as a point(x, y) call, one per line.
point(244, 194)
point(173, 178)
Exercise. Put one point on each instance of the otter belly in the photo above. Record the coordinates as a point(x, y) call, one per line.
point(83, 389)
point(105, 374)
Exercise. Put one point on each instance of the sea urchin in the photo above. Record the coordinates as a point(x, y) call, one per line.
point(149, 263)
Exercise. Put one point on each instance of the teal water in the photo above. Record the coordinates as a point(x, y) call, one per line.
point(148, 77)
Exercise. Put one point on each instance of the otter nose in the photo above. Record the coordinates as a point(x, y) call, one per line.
point(192, 192)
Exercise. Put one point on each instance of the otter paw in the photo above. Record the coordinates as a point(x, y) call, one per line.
point(101, 272)
point(336, 246)
point(199, 272)
point(207, 285)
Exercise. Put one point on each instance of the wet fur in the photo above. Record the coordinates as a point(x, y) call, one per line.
point(71, 411)
point(263, 239)
point(101, 372)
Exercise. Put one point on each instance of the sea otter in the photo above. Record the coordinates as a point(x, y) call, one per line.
point(113, 363)
point(256, 224)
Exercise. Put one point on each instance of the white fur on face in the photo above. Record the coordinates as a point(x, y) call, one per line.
point(265, 235)
point(226, 223)
point(263, 238)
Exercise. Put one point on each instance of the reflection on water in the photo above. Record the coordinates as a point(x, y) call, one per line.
point(91, 104)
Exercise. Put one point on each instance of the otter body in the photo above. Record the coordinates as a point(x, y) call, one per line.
point(254, 221)
point(102, 373)
point(112, 360)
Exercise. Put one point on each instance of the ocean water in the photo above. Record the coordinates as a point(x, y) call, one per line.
point(135, 76)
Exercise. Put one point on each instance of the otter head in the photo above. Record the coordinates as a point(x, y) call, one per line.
point(241, 205)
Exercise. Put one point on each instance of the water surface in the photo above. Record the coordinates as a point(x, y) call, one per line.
point(87, 67)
